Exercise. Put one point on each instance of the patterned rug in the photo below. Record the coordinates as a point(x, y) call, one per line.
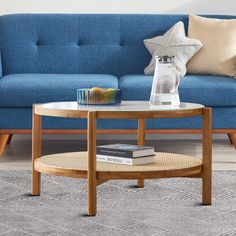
point(164, 207)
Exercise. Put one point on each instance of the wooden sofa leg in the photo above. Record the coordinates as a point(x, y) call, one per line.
point(3, 142)
point(232, 139)
point(9, 139)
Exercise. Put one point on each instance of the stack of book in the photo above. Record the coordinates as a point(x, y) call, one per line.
point(125, 154)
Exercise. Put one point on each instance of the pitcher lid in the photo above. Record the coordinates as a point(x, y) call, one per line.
point(165, 59)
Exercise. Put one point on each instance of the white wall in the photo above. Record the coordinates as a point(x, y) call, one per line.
point(119, 6)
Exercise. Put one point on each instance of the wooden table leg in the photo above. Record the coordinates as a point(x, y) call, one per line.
point(141, 141)
point(92, 185)
point(207, 157)
point(36, 153)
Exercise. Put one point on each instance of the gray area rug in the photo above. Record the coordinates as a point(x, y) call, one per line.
point(164, 207)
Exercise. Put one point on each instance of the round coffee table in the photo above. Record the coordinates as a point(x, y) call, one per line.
point(84, 164)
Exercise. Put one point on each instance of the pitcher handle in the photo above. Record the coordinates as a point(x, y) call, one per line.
point(177, 79)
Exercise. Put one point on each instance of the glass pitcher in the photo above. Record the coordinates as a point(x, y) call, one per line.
point(165, 83)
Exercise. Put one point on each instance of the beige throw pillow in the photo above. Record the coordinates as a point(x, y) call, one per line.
point(218, 54)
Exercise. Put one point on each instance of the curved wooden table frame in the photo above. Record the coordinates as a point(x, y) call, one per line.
point(92, 116)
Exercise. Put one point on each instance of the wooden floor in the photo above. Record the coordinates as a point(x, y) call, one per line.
point(17, 155)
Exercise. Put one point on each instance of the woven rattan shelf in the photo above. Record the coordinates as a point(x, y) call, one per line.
point(75, 164)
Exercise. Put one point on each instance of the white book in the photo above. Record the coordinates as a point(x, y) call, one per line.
point(126, 161)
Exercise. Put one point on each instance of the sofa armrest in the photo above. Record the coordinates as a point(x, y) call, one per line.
point(0, 65)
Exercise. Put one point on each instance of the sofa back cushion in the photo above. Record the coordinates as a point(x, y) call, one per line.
point(79, 43)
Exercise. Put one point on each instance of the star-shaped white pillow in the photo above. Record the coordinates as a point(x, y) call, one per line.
point(173, 43)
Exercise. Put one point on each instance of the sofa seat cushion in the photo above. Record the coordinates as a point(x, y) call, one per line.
point(205, 89)
point(23, 90)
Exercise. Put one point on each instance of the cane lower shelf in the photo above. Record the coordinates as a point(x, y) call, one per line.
point(75, 164)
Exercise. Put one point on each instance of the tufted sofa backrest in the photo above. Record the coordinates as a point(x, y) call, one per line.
point(79, 43)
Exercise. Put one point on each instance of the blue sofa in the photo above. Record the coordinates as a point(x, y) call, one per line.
point(46, 57)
